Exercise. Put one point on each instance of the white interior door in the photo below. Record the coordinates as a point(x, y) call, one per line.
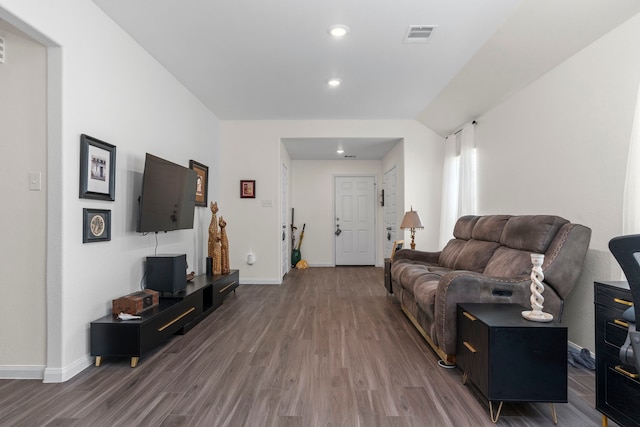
point(355, 202)
point(285, 258)
point(390, 210)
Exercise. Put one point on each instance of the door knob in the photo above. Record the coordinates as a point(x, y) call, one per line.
point(338, 231)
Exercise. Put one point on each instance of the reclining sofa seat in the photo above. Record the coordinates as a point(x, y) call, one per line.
point(488, 261)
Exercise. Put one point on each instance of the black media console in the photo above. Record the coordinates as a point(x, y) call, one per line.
point(175, 314)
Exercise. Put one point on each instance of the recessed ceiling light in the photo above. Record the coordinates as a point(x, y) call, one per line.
point(334, 82)
point(338, 30)
point(339, 151)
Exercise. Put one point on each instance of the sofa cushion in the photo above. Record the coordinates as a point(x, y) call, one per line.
point(532, 233)
point(450, 253)
point(490, 228)
point(507, 262)
point(464, 227)
point(425, 295)
point(474, 255)
point(410, 274)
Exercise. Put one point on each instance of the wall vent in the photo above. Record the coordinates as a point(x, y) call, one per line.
point(2, 50)
point(349, 156)
point(419, 33)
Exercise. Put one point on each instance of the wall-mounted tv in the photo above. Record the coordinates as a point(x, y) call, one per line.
point(168, 196)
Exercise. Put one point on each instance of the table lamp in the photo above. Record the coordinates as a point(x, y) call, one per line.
point(412, 221)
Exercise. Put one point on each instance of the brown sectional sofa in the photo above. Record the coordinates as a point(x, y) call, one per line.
point(487, 261)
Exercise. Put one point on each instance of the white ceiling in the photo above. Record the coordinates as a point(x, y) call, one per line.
point(269, 60)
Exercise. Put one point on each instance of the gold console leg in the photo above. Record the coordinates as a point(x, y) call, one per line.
point(134, 361)
point(495, 420)
point(464, 378)
point(554, 415)
point(98, 360)
point(605, 421)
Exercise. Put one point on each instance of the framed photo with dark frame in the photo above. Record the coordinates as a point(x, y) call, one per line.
point(247, 189)
point(397, 245)
point(202, 182)
point(96, 225)
point(97, 169)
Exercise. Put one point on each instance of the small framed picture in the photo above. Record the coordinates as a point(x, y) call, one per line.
point(97, 169)
point(247, 189)
point(202, 182)
point(397, 245)
point(96, 225)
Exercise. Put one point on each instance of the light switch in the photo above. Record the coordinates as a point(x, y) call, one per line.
point(35, 181)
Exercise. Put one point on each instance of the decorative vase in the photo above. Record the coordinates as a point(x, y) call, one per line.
point(209, 266)
point(537, 288)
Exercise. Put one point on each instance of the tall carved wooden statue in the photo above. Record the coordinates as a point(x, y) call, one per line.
point(214, 239)
point(213, 228)
point(224, 246)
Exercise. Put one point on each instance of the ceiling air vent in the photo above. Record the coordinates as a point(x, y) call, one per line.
point(419, 33)
point(349, 156)
point(1, 50)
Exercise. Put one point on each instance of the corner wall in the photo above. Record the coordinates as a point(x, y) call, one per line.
point(23, 149)
point(560, 147)
point(108, 87)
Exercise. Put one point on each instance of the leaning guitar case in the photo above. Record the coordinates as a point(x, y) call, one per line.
point(295, 253)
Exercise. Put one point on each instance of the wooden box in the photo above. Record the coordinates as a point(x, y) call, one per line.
point(136, 302)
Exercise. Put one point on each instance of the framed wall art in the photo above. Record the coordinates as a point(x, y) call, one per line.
point(397, 245)
point(247, 189)
point(97, 169)
point(202, 182)
point(96, 225)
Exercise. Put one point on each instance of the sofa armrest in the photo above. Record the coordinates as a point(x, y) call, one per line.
point(413, 255)
point(466, 286)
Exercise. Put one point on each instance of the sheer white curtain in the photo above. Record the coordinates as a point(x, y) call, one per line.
point(458, 180)
point(631, 201)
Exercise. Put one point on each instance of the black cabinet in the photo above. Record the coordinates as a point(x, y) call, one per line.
point(617, 385)
point(510, 358)
point(174, 314)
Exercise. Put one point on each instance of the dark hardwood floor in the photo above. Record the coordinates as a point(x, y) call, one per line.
point(327, 348)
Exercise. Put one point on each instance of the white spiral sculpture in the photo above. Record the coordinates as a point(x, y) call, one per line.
point(537, 288)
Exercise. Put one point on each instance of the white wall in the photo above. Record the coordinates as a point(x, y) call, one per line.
point(252, 150)
point(560, 146)
point(313, 198)
point(23, 149)
point(103, 84)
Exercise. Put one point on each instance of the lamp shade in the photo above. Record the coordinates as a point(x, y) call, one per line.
point(411, 220)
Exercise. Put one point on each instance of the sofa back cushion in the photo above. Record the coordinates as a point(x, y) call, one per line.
point(476, 239)
point(531, 233)
point(490, 228)
point(464, 227)
point(507, 262)
point(475, 255)
point(499, 245)
point(450, 253)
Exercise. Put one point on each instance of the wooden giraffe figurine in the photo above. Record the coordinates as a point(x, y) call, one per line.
point(224, 246)
point(214, 239)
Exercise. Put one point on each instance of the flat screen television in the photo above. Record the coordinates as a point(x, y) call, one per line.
point(168, 196)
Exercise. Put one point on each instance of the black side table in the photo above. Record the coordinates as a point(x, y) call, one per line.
point(387, 275)
point(511, 359)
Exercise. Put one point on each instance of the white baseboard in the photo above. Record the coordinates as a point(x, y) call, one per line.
point(322, 265)
point(60, 375)
point(22, 372)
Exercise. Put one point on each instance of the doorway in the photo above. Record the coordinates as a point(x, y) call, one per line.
point(390, 209)
point(285, 259)
point(355, 201)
